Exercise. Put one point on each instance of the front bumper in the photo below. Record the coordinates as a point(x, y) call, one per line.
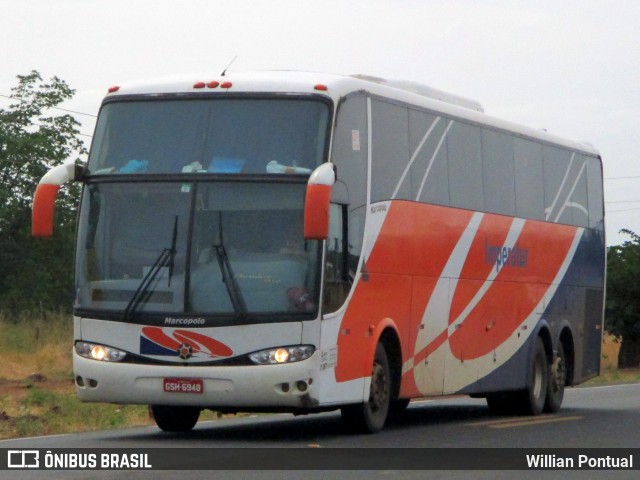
point(279, 387)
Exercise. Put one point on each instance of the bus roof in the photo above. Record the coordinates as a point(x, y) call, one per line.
point(337, 86)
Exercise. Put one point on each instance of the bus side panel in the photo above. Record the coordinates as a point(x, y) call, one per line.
point(576, 304)
point(480, 280)
point(379, 298)
point(408, 244)
point(491, 318)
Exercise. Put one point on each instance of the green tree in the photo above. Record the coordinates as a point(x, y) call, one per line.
point(35, 274)
point(622, 314)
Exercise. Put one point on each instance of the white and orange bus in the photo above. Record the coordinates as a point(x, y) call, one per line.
point(302, 242)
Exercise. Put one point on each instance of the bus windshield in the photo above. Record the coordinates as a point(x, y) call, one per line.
point(211, 135)
point(231, 250)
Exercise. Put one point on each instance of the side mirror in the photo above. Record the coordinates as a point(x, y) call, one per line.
point(46, 194)
point(316, 205)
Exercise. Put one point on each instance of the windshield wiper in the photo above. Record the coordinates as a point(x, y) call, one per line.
point(143, 292)
point(228, 278)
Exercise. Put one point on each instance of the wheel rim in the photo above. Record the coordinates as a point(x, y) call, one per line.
point(379, 394)
point(559, 377)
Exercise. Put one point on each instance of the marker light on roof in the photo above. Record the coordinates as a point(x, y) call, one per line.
point(199, 85)
point(321, 88)
point(114, 89)
point(213, 84)
point(226, 85)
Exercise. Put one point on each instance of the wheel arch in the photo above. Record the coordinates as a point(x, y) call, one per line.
point(544, 332)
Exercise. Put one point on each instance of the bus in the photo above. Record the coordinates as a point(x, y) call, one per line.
point(301, 242)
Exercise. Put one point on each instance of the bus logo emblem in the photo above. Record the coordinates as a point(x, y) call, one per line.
point(185, 351)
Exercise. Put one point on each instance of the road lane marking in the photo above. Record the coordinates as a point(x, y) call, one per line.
point(503, 420)
point(518, 422)
point(541, 421)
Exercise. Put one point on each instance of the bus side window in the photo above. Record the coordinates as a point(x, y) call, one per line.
point(337, 278)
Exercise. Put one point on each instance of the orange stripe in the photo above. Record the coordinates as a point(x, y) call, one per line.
point(416, 240)
point(513, 294)
point(493, 230)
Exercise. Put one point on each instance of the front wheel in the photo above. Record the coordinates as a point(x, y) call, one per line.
point(175, 419)
point(370, 416)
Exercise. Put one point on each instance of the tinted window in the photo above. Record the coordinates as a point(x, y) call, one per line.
point(350, 157)
point(390, 150)
point(498, 173)
point(577, 203)
point(220, 248)
point(429, 170)
point(465, 166)
point(594, 187)
point(562, 176)
point(212, 135)
point(529, 179)
point(349, 194)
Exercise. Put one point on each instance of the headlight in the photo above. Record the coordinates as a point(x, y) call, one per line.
point(99, 352)
point(276, 356)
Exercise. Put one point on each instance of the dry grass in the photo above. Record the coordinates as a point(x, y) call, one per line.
point(609, 372)
point(36, 346)
point(609, 357)
point(37, 394)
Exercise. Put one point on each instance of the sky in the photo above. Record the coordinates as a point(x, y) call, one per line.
point(569, 67)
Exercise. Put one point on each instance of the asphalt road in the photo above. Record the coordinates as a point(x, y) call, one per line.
point(599, 417)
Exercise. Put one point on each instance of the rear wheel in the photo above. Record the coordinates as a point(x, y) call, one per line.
point(175, 419)
point(370, 416)
point(531, 400)
point(557, 382)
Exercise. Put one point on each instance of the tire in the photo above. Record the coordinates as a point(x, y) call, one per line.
point(370, 416)
point(175, 419)
point(532, 399)
point(397, 408)
point(557, 382)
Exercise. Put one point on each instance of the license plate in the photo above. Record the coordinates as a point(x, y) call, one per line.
point(183, 385)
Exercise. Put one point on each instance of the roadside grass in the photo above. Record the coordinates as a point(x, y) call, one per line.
point(610, 374)
point(614, 377)
point(37, 393)
point(42, 411)
point(36, 346)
